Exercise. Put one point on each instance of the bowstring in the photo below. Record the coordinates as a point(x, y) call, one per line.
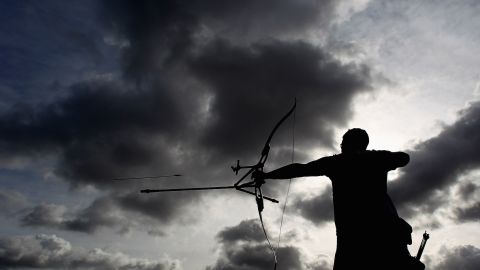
point(274, 253)
point(289, 181)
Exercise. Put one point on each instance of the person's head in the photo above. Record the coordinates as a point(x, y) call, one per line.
point(354, 140)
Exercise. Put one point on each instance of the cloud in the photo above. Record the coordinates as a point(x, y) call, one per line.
point(436, 166)
point(101, 213)
point(186, 103)
point(161, 33)
point(317, 209)
point(244, 247)
point(468, 206)
point(460, 257)
point(253, 20)
point(164, 208)
point(156, 32)
point(40, 251)
point(247, 230)
point(438, 163)
point(467, 190)
point(469, 213)
point(45, 215)
point(161, 36)
point(120, 211)
point(52, 252)
point(321, 264)
point(261, 81)
point(103, 129)
point(99, 131)
point(12, 202)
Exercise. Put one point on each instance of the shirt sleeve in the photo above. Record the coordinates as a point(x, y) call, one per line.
point(392, 160)
point(321, 167)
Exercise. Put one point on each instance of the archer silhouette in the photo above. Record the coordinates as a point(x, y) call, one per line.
point(370, 234)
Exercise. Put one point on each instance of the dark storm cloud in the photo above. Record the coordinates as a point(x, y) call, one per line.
point(247, 230)
point(99, 131)
point(52, 252)
point(459, 257)
point(318, 209)
point(164, 208)
point(161, 32)
point(111, 211)
point(438, 163)
point(260, 82)
point(101, 213)
point(249, 20)
point(244, 247)
point(49, 215)
point(256, 257)
point(153, 120)
point(158, 32)
point(100, 126)
point(253, 81)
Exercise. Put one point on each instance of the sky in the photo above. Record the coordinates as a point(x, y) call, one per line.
point(96, 90)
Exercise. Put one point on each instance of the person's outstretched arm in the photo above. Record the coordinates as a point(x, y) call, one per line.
point(396, 160)
point(401, 159)
point(314, 168)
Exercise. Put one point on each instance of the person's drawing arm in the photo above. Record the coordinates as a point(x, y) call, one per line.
point(400, 159)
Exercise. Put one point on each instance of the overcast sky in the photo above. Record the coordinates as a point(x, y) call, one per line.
point(95, 90)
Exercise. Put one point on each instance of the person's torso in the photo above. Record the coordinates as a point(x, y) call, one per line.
point(359, 184)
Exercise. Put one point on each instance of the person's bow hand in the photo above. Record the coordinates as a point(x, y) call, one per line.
point(259, 177)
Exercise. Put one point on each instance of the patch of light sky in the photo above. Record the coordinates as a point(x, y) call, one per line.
point(429, 55)
point(428, 52)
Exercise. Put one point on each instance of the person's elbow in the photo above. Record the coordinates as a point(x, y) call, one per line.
point(402, 159)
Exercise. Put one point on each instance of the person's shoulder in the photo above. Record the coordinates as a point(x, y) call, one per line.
point(378, 152)
point(333, 157)
point(376, 155)
point(328, 159)
point(386, 153)
point(391, 159)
